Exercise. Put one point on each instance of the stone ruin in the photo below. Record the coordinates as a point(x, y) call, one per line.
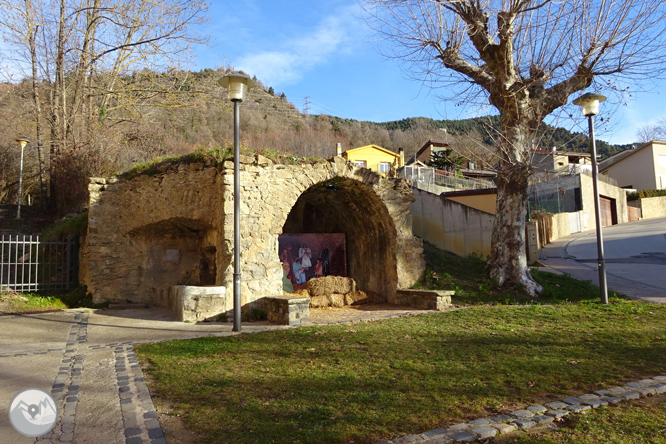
point(157, 239)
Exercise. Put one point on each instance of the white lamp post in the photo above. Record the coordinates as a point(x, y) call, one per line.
point(237, 86)
point(23, 142)
point(589, 103)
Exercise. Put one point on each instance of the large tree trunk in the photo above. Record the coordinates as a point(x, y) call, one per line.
point(508, 258)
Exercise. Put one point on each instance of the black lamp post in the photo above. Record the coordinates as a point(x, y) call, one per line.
point(22, 142)
point(589, 103)
point(237, 86)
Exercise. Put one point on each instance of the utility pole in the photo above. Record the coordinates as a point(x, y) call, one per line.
point(306, 109)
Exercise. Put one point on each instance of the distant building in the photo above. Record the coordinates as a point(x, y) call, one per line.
point(642, 168)
point(424, 154)
point(561, 161)
point(375, 158)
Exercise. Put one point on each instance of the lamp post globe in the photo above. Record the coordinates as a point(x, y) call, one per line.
point(237, 86)
point(22, 141)
point(589, 104)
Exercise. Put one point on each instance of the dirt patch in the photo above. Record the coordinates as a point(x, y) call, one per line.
point(361, 313)
point(174, 428)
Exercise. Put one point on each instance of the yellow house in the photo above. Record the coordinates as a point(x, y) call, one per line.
point(375, 158)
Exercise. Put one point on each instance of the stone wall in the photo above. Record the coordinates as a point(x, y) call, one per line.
point(650, 206)
point(150, 233)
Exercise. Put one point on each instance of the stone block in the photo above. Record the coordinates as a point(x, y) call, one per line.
point(660, 388)
point(524, 423)
point(543, 419)
point(463, 437)
point(287, 310)
point(437, 433)
point(612, 400)
point(195, 303)
point(504, 428)
point(595, 403)
point(521, 414)
point(485, 432)
point(479, 422)
point(500, 418)
point(425, 299)
point(458, 427)
point(537, 409)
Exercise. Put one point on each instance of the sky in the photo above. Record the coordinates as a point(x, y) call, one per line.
point(325, 51)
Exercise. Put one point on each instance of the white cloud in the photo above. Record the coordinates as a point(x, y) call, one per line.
point(287, 61)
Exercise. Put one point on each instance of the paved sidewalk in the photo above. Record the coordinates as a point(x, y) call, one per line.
point(85, 359)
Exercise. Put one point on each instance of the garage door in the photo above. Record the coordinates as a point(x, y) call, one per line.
point(606, 208)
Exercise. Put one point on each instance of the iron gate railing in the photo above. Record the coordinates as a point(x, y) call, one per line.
point(28, 264)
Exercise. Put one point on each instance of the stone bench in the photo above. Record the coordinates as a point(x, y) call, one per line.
point(190, 303)
point(287, 310)
point(425, 299)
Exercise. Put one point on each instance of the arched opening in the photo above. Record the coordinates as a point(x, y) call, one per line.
point(175, 251)
point(342, 205)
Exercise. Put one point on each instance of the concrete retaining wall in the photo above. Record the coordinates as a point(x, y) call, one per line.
point(451, 226)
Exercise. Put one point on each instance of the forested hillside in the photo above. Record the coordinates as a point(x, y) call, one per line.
point(168, 114)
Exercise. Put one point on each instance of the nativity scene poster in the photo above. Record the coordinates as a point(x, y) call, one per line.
point(310, 255)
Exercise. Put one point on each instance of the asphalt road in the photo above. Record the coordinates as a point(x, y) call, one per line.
point(635, 255)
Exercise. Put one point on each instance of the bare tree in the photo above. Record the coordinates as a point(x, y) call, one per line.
point(648, 133)
point(526, 62)
point(83, 53)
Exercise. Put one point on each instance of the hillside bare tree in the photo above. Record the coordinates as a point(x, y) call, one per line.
point(85, 56)
point(525, 58)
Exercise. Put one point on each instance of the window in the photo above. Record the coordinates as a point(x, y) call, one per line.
point(361, 163)
point(384, 167)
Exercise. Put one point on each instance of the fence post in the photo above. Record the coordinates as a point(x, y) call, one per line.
point(75, 262)
point(68, 261)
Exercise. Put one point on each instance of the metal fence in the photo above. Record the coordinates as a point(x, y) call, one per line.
point(559, 201)
point(422, 178)
point(28, 264)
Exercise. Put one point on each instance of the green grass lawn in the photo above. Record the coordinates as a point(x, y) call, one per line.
point(370, 381)
point(30, 302)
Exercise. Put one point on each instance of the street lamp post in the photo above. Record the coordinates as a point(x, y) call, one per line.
point(589, 103)
point(23, 142)
point(237, 86)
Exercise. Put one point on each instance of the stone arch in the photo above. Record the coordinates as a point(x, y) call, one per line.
point(174, 251)
point(373, 211)
point(191, 207)
point(343, 205)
